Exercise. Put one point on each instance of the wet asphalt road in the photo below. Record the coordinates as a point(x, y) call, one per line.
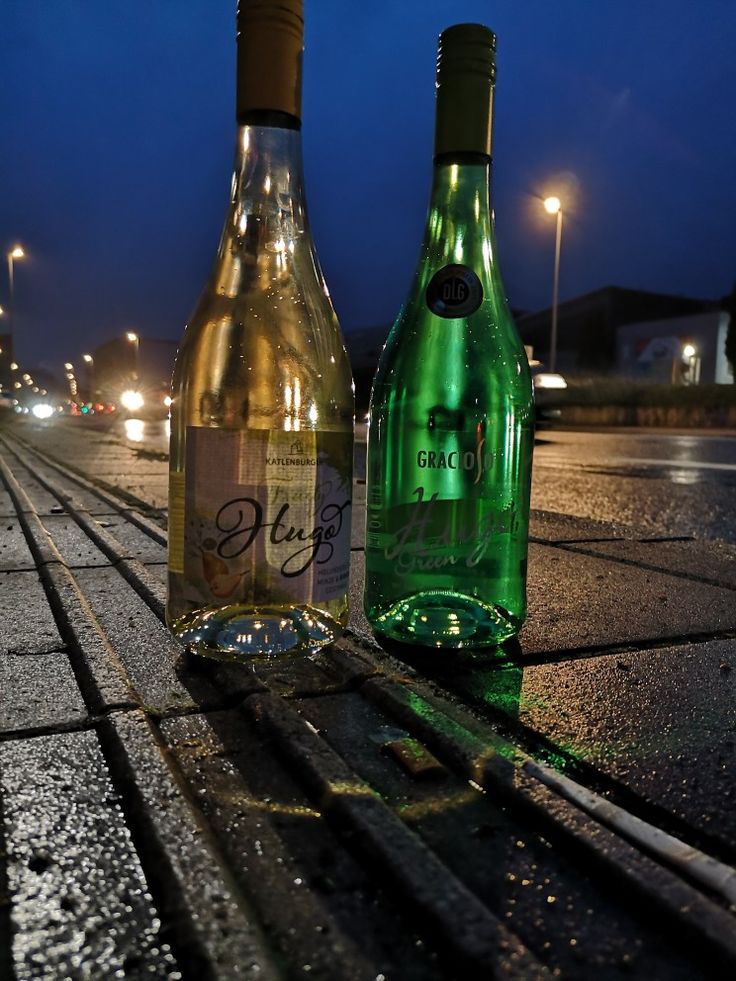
point(664, 483)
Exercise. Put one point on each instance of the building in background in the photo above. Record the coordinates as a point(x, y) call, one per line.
point(688, 349)
point(587, 325)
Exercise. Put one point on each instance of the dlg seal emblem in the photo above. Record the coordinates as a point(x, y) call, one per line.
point(454, 291)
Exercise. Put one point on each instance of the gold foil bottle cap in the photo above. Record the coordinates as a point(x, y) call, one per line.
point(466, 75)
point(270, 37)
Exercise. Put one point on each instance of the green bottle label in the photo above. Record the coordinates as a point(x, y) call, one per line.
point(454, 291)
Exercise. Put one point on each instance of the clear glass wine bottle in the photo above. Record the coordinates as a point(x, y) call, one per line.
point(262, 397)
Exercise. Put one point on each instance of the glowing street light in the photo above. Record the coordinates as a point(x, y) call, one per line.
point(12, 256)
point(553, 206)
point(88, 358)
point(691, 359)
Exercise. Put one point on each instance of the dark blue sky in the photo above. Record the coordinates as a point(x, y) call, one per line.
point(117, 131)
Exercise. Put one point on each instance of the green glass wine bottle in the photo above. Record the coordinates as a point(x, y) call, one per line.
point(452, 414)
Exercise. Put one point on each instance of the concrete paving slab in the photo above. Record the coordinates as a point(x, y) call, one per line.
point(548, 526)
point(661, 722)
point(143, 645)
point(68, 488)
point(216, 928)
point(38, 692)
point(14, 550)
point(81, 906)
point(42, 501)
point(357, 623)
point(76, 548)
point(159, 569)
point(155, 490)
point(357, 538)
point(7, 508)
point(105, 681)
point(27, 625)
point(535, 890)
point(318, 904)
point(578, 601)
point(137, 464)
point(715, 561)
point(136, 544)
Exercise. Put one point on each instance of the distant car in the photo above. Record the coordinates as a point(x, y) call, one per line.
point(145, 403)
point(547, 386)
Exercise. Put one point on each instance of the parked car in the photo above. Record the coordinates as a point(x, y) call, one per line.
point(547, 386)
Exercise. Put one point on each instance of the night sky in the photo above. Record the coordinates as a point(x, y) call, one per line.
point(117, 135)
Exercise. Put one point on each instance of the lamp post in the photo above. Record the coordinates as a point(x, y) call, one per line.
point(15, 253)
point(134, 339)
point(553, 206)
point(90, 362)
point(691, 359)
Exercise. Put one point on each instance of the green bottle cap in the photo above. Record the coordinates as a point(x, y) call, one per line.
point(270, 37)
point(466, 75)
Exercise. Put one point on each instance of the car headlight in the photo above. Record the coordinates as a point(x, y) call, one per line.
point(131, 400)
point(42, 410)
point(549, 380)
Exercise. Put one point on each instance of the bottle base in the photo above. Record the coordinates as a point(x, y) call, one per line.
point(437, 618)
point(242, 633)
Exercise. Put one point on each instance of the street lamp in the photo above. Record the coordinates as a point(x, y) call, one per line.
point(134, 339)
point(15, 253)
point(553, 206)
point(692, 361)
point(90, 362)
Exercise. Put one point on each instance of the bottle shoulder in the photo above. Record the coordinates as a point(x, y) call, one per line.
point(429, 361)
point(486, 337)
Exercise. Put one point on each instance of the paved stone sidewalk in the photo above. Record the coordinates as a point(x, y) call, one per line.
point(365, 813)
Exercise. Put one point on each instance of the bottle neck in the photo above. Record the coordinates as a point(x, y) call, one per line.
point(459, 227)
point(266, 229)
point(268, 180)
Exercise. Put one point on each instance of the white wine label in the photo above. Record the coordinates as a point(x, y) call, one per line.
point(454, 291)
point(267, 516)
